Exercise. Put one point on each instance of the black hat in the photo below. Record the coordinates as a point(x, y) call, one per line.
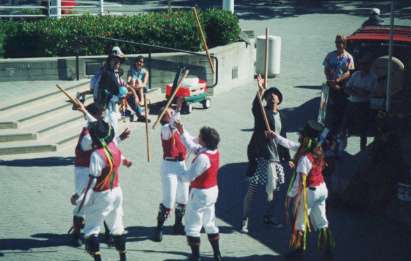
point(312, 129)
point(273, 90)
point(101, 131)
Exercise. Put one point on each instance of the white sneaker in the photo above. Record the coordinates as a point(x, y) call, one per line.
point(244, 226)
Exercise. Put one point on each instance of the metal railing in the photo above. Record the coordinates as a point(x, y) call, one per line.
point(56, 8)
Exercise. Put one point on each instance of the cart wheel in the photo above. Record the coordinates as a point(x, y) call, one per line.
point(188, 108)
point(206, 103)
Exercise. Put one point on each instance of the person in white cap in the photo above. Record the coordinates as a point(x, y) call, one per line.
point(374, 19)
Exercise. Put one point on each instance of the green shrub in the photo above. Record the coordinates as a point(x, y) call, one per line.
point(69, 35)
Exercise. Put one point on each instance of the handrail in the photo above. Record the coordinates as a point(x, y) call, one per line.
point(167, 49)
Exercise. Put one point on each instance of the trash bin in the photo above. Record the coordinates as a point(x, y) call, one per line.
point(274, 55)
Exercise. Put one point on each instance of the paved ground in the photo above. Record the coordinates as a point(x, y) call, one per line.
point(35, 212)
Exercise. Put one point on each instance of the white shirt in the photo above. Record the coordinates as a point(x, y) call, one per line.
point(97, 163)
point(286, 143)
point(303, 168)
point(358, 81)
point(201, 163)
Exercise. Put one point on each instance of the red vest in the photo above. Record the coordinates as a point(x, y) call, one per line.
point(174, 148)
point(209, 177)
point(104, 180)
point(82, 157)
point(315, 177)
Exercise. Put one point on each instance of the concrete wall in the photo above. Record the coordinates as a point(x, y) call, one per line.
point(235, 66)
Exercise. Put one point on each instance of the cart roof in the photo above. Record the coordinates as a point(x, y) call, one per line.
point(381, 33)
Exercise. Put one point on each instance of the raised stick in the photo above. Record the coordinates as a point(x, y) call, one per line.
point(72, 100)
point(200, 32)
point(147, 137)
point(170, 100)
point(267, 124)
point(266, 59)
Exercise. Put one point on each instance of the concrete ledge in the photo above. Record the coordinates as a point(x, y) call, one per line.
point(8, 125)
point(235, 66)
point(27, 149)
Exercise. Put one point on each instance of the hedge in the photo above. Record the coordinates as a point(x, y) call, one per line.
point(64, 37)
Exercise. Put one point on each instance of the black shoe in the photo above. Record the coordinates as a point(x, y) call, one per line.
point(218, 257)
point(143, 119)
point(158, 235)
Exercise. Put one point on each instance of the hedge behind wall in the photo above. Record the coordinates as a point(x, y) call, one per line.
point(69, 35)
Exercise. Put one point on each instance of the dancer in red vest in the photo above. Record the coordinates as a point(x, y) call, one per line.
point(81, 163)
point(308, 190)
point(103, 199)
point(175, 191)
point(204, 189)
point(81, 168)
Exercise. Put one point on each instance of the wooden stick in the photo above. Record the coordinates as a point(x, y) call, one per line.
point(200, 32)
point(266, 59)
point(171, 98)
point(147, 137)
point(75, 101)
point(267, 124)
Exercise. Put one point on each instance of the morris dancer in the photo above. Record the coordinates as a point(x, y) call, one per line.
point(308, 190)
point(204, 189)
point(264, 155)
point(81, 168)
point(175, 192)
point(103, 198)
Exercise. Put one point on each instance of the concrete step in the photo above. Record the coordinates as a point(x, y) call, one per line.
point(23, 147)
point(16, 135)
point(37, 106)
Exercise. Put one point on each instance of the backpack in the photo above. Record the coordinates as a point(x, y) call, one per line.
point(94, 84)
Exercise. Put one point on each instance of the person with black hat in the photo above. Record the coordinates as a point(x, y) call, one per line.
point(307, 190)
point(81, 167)
point(264, 155)
point(103, 199)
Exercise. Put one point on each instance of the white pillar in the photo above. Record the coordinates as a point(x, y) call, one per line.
point(55, 9)
point(101, 7)
point(228, 5)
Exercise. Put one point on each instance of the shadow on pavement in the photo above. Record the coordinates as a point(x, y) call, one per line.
point(244, 258)
point(295, 118)
point(36, 241)
point(39, 162)
point(309, 87)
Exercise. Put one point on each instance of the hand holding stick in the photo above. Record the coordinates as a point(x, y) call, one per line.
point(170, 100)
point(73, 100)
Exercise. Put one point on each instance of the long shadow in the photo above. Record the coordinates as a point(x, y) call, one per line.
point(309, 87)
point(295, 118)
point(41, 240)
point(39, 162)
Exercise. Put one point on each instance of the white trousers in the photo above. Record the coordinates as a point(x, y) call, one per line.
point(80, 182)
point(104, 206)
point(200, 212)
point(316, 208)
point(174, 190)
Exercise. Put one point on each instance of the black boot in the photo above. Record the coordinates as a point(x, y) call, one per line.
point(78, 224)
point(179, 214)
point(214, 241)
point(120, 244)
point(93, 247)
point(326, 243)
point(194, 243)
point(163, 214)
point(108, 239)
